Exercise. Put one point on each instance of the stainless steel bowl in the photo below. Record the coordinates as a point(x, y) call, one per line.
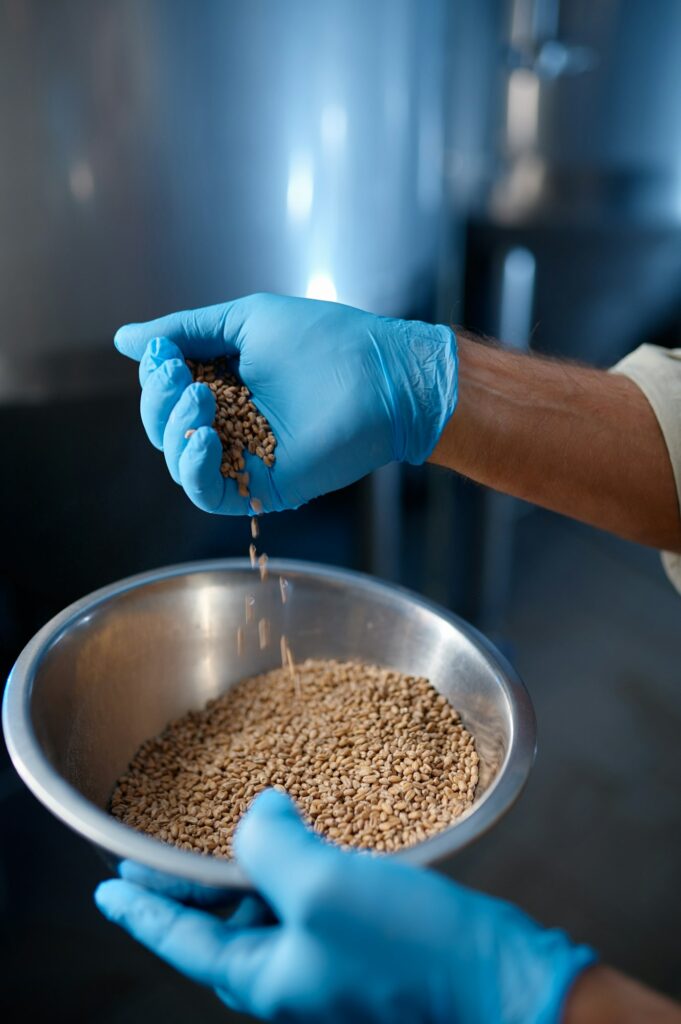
point(115, 667)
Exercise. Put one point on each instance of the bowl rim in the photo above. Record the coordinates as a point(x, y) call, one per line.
point(123, 842)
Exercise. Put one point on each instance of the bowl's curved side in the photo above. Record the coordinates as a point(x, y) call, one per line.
point(120, 841)
point(59, 796)
point(511, 778)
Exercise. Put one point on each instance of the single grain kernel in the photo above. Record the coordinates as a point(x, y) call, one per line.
point(283, 647)
point(263, 633)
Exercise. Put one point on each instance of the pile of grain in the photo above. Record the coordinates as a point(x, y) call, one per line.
point(373, 758)
point(238, 423)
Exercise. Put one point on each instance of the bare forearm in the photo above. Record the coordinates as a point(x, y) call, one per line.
point(604, 996)
point(579, 441)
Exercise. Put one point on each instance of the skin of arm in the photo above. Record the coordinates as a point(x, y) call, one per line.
point(582, 442)
point(604, 996)
point(585, 443)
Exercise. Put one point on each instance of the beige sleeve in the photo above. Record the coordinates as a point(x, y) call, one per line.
point(657, 371)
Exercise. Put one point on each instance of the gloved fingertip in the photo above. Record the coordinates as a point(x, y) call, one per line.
point(201, 441)
point(119, 340)
point(173, 365)
point(158, 354)
point(201, 394)
point(171, 374)
point(199, 469)
point(127, 870)
point(273, 801)
point(278, 852)
point(127, 342)
point(110, 897)
point(267, 806)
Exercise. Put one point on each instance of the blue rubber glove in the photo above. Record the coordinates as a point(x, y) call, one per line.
point(358, 938)
point(345, 392)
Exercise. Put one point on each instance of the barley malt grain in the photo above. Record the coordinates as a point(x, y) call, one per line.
point(237, 421)
point(373, 758)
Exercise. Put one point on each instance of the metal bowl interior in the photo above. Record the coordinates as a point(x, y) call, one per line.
point(114, 668)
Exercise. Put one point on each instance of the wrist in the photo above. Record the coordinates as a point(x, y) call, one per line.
point(564, 976)
point(604, 996)
point(517, 971)
point(554, 963)
point(429, 387)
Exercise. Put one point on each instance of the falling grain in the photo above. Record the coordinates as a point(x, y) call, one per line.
point(264, 633)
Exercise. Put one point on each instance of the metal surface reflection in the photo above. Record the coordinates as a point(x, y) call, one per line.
point(166, 155)
point(112, 670)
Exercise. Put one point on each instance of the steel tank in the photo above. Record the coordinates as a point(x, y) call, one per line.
point(591, 110)
point(159, 154)
point(563, 159)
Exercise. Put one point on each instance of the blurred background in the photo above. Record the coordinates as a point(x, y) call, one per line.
point(510, 165)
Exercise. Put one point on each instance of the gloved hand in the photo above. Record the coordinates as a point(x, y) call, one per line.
point(359, 938)
point(345, 392)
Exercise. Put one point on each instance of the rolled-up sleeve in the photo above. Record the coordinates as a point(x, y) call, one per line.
point(657, 371)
